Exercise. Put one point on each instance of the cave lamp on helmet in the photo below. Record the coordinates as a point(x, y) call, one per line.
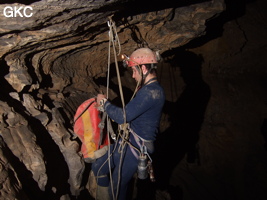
point(142, 56)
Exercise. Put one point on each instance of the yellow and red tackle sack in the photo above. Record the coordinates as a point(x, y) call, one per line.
point(86, 126)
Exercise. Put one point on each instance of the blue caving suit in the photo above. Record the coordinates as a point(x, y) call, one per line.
point(143, 115)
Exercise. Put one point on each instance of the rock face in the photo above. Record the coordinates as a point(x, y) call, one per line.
point(55, 59)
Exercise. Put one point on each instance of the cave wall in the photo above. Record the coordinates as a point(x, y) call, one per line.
point(231, 149)
point(54, 60)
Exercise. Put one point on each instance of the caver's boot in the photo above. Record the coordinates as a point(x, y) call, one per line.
point(96, 191)
point(102, 193)
point(92, 185)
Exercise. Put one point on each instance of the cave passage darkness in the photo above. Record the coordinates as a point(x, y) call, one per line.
point(212, 142)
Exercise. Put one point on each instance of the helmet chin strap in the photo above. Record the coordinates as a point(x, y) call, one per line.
point(146, 74)
point(143, 76)
point(140, 83)
point(139, 69)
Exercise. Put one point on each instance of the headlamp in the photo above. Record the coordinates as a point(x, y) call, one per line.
point(125, 59)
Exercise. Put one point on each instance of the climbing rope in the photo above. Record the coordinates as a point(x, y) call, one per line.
point(113, 42)
point(113, 37)
point(113, 34)
point(123, 129)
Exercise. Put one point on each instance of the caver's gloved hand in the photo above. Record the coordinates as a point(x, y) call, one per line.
point(101, 99)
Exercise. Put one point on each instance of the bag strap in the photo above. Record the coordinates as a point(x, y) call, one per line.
point(84, 110)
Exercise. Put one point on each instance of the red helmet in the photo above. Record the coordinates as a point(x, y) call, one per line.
point(142, 56)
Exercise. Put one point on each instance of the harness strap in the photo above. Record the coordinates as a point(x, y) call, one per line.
point(141, 142)
point(138, 138)
point(134, 152)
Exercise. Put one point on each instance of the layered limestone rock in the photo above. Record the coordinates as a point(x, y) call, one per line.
point(49, 64)
point(11, 187)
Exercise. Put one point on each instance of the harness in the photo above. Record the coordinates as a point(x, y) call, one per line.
point(143, 144)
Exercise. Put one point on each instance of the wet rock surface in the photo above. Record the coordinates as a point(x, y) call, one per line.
point(211, 144)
